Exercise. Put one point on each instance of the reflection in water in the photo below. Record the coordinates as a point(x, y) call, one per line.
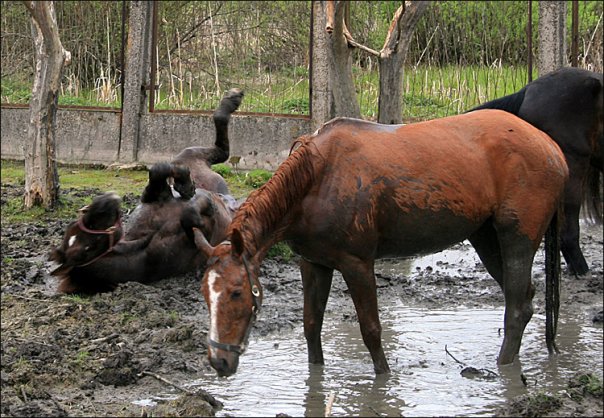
point(274, 376)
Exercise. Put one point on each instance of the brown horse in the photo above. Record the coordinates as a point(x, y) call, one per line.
point(96, 254)
point(200, 159)
point(568, 105)
point(355, 191)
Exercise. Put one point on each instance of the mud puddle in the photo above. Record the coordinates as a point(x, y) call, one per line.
point(275, 378)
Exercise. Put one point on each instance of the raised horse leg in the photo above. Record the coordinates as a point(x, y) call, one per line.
point(360, 278)
point(316, 282)
point(517, 259)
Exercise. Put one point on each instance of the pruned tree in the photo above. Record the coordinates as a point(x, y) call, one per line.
point(41, 173)
point(344, 94)
point(391, 58)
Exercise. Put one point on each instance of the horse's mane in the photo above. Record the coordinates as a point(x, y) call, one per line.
point(259, 216)
point(510, 103)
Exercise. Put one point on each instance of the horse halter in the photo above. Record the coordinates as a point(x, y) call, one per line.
point(240, 348)
point(117, 226)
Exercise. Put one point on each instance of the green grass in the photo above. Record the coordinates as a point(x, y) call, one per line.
point(132, 182)
point(434, 92)
point(428, 92)
point(86, 177)
point(72, 179)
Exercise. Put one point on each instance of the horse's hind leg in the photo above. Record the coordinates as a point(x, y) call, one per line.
point(569, 239)
point(360, 278)
point(517, 260)
point(316, 282)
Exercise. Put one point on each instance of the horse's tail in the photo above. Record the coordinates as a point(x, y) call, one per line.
point(552, 280)
point(510, 103)
point(229, 103)
point(592, 199)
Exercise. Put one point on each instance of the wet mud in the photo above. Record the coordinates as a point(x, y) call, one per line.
point(100, 355)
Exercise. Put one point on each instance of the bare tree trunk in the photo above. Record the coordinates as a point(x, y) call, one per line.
point(322, 97)
point(392, 58)
point(344, 94)
point(41, 174)
point(552, 36)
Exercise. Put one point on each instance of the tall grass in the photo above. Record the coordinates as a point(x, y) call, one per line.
point(428, 92)
point(431, 92)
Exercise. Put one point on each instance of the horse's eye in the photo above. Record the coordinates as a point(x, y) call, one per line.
point(236, 294)
point(87, 248)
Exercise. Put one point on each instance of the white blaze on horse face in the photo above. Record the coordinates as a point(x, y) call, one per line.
point(214, 296)
point(72, 240)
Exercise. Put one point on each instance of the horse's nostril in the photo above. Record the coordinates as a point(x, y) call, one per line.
point(219, 364)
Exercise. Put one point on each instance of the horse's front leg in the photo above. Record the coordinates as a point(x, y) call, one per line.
point(360, 278)
point(128, 247)
point(316, 282)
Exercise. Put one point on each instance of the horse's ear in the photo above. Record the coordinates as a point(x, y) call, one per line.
point(237, 244)
point(57, 255)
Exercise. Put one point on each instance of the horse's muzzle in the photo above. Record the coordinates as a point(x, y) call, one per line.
point(225, 365)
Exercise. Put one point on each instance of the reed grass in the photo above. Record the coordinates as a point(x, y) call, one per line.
point(428, 92)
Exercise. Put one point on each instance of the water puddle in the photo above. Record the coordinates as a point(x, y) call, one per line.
point(274, 376)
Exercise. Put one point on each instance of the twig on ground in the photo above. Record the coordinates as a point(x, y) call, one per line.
point(23, 394)
point(447, 351)
point(163, 379)
point(103, 339)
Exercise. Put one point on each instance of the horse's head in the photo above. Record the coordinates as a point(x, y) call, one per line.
point(233, 294)
point(94, 234)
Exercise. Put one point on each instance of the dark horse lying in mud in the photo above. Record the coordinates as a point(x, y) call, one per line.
point(356, 191)
point(96, 254)
point(567, 105)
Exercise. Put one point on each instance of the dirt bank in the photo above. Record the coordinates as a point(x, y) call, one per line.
point(95, 356)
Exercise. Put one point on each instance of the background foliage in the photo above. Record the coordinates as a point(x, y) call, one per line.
point(462, 53)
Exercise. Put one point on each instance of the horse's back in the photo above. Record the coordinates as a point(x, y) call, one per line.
point(448, 176)
point(567, 105)
point(482, 140)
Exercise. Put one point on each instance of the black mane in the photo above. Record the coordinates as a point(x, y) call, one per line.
point(510, 103)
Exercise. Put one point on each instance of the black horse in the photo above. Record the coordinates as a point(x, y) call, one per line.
point(567, 105)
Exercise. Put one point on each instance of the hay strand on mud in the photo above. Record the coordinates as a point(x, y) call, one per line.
point(329, 406)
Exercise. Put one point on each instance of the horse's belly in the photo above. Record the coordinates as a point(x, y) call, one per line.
point(331, 236)
point(424, 233)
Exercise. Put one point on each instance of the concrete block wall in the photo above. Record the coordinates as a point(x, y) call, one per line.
point(93, 136)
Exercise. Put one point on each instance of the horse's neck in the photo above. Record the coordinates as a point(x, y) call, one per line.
point(265, 216)
point(261, 233)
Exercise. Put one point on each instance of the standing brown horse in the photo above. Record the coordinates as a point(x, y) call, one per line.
point(355, 191)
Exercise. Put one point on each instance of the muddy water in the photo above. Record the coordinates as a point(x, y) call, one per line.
point(274, 376)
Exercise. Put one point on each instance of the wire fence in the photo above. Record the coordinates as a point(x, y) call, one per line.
point(461, 54)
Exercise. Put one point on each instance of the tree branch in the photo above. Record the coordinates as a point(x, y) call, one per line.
point(355, 44)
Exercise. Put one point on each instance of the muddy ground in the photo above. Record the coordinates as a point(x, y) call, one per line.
point(94, 356)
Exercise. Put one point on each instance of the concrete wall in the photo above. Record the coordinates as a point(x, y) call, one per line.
point(93, 136)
